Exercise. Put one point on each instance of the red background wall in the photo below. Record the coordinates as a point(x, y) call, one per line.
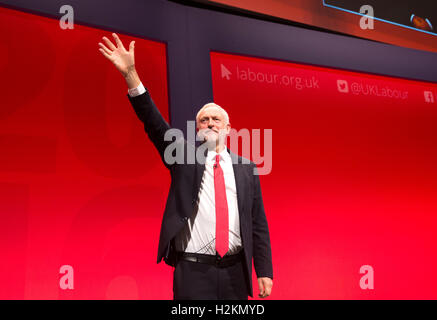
point(353, 180)
point(80, 184)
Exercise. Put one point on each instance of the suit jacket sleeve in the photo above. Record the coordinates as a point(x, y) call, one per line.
point(262, 253)
point(154, 124)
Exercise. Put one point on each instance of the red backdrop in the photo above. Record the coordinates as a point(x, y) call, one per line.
point(80, 184)
point(353, 180)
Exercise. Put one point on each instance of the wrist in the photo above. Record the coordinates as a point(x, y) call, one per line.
point(130, 72)
point(131, 77)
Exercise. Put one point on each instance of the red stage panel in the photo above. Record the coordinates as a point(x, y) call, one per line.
point(80, 183)
point(353, 178)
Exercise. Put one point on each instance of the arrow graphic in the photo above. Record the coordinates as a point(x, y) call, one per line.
point(225, 72)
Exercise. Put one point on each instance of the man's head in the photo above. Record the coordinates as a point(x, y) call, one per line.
point(213, 123)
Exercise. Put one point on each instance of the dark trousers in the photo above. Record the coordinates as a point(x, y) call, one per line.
point(201, 281)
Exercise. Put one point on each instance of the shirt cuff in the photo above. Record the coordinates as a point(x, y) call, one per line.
point(136, 91)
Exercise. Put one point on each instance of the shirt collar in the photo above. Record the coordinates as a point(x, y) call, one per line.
point(224, 155)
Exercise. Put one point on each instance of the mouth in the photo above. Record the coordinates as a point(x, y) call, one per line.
point(207, 131)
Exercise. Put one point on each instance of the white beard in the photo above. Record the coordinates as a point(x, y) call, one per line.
point(211, 140)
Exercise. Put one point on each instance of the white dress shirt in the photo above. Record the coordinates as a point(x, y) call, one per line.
point(198, 234)
point(137, 91)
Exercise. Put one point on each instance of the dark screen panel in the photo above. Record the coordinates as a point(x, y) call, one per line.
point(396, 12)
point(393, 19)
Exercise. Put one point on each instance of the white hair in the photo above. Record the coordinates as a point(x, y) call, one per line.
point(212, 104)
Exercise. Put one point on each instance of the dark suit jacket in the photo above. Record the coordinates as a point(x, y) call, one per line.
point(183, 196)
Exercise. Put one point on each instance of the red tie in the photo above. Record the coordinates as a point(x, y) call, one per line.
point(221, 210)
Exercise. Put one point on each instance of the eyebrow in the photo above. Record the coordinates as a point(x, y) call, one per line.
point(205, 117)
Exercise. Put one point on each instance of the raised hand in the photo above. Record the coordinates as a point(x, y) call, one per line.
point(122, 59)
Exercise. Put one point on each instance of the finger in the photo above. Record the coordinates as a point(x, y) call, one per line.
point(118, 41)
point(109, 43)
point(105, 54)
point(105, 48)
point(261, 290)
point(132, 46)
point(261, 285)
point(269, 287)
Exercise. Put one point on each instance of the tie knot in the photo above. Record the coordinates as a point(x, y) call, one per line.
point(217, 159)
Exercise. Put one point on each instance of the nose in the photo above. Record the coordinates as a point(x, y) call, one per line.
point(210, 124)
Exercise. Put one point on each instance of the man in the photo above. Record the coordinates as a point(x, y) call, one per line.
point(214, 221)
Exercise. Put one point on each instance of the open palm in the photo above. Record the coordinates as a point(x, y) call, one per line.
point(122, 59)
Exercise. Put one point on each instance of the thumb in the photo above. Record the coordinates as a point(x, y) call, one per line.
point(132, 46)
